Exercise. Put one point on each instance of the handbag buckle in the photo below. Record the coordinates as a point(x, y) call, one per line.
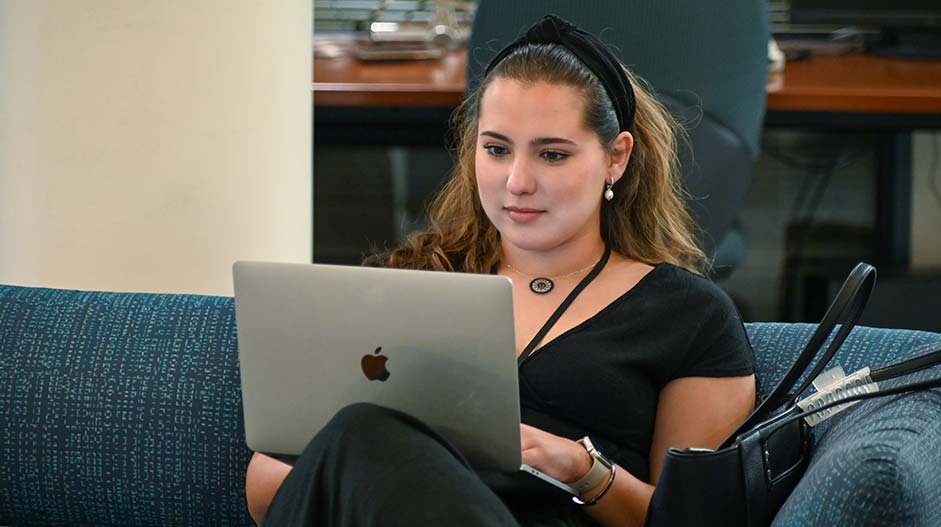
point(833, 385)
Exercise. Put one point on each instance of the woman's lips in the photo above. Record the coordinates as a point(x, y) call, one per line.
point(523, 215)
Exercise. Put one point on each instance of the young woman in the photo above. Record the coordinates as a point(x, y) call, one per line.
point(567, 184)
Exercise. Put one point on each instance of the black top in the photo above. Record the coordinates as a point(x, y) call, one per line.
point(603, 377)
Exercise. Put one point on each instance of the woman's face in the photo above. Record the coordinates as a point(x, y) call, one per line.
point(541, 172)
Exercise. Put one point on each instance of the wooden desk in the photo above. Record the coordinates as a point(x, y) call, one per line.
point(347, 81)
point(857, 83)
point(822, 83)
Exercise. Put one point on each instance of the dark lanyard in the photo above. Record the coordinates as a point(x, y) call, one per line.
point(595, 271)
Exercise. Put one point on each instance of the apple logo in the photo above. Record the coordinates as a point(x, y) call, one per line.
point(374, 366)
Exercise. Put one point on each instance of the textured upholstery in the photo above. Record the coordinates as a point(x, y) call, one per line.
point(119, 409)
point(777, 345)
point(879, 464)
point(124, 409)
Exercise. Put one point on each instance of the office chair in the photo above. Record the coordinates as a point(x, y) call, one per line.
point(707, 62)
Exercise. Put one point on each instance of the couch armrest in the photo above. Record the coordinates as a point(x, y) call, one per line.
point(877, 465)
point(119, 409)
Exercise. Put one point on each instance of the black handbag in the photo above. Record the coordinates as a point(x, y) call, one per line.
point(747, 479)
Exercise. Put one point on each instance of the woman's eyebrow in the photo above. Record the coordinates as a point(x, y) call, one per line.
point(495, 135)
point(536, 141)
point(551, 140)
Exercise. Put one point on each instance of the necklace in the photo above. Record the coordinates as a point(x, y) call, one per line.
point(542, 285)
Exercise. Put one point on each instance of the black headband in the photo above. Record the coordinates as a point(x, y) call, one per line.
point(591, 52)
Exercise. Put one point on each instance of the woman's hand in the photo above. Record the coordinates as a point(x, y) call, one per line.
point(561, 458)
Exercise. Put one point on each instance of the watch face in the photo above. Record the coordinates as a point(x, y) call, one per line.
point(594, 452)
point(586, 442)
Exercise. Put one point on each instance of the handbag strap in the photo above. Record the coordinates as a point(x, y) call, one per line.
point(860, 285)
point(895, 390)
point(845, 311)
point(928, 355)
point(554, 317)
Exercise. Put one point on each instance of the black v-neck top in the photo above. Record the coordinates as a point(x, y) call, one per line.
point(603, 377)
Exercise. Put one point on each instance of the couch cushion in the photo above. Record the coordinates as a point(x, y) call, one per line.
point(119, 409)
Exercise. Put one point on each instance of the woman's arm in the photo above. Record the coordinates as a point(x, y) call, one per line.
point(262, 480)
point(699, 412)
point(691, 412)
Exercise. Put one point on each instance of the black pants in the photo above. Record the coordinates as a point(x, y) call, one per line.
point(372, 466)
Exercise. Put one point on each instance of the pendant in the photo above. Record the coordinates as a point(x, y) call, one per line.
point(541, 286)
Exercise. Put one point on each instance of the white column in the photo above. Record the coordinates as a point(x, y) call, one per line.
point(926, 200)
point(146, 145)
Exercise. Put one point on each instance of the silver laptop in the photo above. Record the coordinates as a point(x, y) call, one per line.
point(313, 339)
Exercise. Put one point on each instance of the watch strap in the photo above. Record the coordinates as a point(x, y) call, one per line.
point(599, 472)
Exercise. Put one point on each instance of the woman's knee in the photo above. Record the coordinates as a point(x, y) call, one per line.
point(363, 417)
point(355, 428)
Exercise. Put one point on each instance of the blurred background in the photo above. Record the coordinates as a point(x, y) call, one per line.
point(145, 146)
point(848, 164)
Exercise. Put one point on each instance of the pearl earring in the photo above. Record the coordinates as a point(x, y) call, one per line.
point(609, 194)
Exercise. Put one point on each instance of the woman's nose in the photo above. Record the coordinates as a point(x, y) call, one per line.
point(521, 180)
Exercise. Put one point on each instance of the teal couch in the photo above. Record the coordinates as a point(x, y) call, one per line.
point(124, 410)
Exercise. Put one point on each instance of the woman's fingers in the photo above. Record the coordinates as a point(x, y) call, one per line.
point(557, 456)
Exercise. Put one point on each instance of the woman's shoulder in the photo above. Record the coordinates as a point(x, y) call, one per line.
point(716, 342)
point(694, 288)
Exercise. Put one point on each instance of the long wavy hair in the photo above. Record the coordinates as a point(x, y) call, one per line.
point(647, 220)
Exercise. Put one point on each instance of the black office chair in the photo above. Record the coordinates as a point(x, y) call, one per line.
point(708, 63)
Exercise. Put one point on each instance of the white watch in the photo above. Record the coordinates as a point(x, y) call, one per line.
point(599, 472)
